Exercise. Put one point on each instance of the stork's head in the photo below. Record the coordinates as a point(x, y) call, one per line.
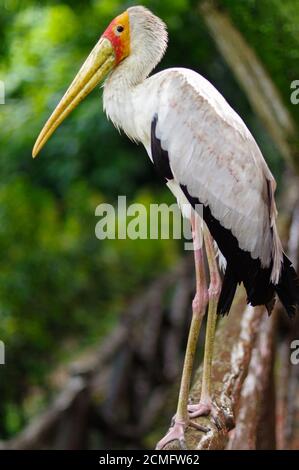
point(135, 40)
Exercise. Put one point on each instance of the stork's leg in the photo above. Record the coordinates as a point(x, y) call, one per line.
point(181, 419)
point(206, 406)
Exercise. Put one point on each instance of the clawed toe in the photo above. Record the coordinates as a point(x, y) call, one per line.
point(175, 433)
point(205, 409)
point(199, 427)
point(200, 409)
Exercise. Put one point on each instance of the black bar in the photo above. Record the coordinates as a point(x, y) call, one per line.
point(137, 459)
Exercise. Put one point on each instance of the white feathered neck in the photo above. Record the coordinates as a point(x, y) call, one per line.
point(148, 36)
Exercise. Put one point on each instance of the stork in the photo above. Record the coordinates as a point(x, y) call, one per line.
point(208, 157)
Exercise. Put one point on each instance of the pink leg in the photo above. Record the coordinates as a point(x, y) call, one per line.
point(181, 419)
point(206, 406)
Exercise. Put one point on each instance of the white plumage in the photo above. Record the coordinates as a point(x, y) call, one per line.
point(210, 150)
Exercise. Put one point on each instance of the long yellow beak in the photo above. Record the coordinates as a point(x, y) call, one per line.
point(98, 64)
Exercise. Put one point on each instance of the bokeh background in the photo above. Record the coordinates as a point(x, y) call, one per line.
point(62, 290)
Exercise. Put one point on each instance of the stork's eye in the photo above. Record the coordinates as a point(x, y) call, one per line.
point(119, 29)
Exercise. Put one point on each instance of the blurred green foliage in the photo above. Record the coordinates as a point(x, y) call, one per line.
point(57, 281)
point(271, 27)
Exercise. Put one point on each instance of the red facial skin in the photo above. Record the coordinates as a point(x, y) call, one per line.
point(119, 41)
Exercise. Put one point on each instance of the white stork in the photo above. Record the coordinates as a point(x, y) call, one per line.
point(207, 156)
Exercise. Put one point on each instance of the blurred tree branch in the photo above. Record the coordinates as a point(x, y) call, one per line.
point(253, 78)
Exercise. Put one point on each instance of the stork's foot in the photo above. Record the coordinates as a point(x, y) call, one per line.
point(200, 409)
point(177, 433)
point(206, 408)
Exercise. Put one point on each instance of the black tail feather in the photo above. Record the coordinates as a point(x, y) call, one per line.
point(288, 287)
point(242, 267)
point(260, 290)
point(228, 291)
